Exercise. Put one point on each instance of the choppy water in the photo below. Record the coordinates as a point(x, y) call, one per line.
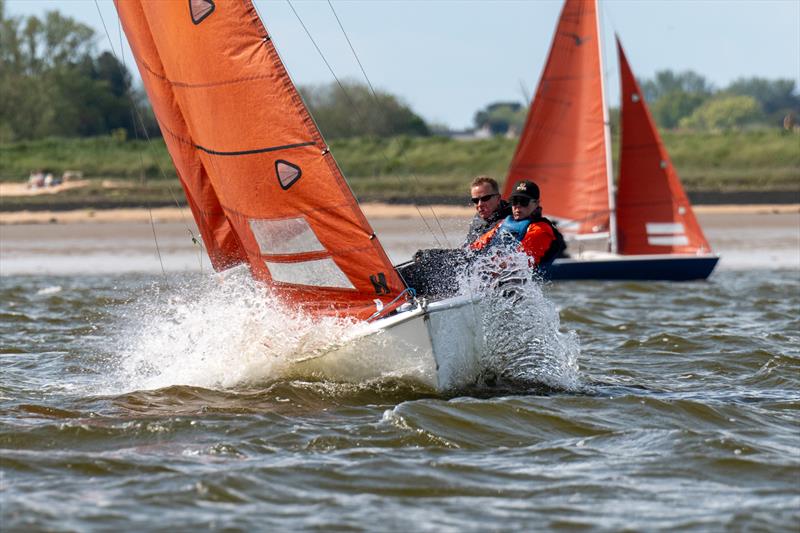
point(142, 402)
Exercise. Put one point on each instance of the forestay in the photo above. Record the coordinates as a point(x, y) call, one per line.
point(259, 178)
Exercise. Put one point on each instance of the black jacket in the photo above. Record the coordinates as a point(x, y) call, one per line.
point(479, 226)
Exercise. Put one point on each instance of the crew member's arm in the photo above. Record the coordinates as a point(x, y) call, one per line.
point(537, 240)
point(481, 242)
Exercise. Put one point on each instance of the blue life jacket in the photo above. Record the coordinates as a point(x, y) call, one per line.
point(517, 228)
point(510, 232)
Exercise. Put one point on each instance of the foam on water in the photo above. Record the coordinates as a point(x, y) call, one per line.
point(230, 331)
point(220, 332)
point(524, 344)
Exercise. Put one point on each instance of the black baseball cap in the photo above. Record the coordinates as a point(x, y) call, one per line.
point(525, 189)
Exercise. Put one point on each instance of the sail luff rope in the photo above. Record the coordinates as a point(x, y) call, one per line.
point(377, 106)
point(356, 110)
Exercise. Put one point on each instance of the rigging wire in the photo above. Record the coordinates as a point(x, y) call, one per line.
point(137, 114)
point(473, 313)
point(377, 106)
point(362, 118)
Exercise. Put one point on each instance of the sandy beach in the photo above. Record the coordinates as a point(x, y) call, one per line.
point(125, 240)
point(371, 210)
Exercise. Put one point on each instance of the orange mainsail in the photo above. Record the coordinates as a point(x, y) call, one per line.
point(260, 180)
point(654, 215)
point(564, 146)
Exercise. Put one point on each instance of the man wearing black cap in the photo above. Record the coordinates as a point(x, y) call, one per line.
point(536, 235)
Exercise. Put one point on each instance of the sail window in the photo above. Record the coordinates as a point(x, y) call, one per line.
point(665, 227)
point(317, 273)
point(287, 173)
point(286, 236)
point(666, 234)
point(668, 240)
point(200, 9)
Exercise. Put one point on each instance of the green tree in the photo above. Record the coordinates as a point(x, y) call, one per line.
point(671, 107)
point(669, 82)
point(499, 117)
point(724, 113)
point(777, 97)
point(352, 110)
point(53, 84)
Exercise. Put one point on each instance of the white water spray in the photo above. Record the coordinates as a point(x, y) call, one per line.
point(230, 331)
point(221, 332)
point(521, 326)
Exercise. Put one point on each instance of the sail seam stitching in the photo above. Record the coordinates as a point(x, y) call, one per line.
point(254, 151)
point(187, 85)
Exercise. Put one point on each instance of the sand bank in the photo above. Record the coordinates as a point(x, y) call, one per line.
point(371, 210)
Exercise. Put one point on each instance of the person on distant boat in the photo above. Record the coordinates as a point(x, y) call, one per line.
point(490, 207)
point(536, 235)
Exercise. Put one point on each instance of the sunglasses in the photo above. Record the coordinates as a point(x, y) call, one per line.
point(524, 202)
point(486, 198)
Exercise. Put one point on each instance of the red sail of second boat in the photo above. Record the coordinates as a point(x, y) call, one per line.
point(654, 215)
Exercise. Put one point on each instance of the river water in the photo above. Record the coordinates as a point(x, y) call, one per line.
point(136, 399)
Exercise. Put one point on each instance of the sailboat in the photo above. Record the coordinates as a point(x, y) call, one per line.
point(265, 191)
point(646, 230)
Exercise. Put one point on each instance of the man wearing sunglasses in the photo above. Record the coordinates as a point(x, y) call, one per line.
point(490, 207)
point(537, 236)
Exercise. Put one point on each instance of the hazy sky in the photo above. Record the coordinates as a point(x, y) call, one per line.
point(448, 59)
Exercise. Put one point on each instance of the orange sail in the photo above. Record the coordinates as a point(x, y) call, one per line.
point(564, 146)
point(654, 215)
point(260, 180)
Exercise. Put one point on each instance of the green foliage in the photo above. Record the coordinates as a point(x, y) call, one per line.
point(724, 113)
point(53, 84)
point(351, 109)
point(671, 107)
point(668, 82)
point(687, 100)
point(777, 97)
point(105, 156)
point(499, 117)
point(404, 168)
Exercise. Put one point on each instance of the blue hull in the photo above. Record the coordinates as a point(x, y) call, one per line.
point(622, 268)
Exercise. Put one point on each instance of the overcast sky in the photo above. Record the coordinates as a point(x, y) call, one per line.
point(447, 59)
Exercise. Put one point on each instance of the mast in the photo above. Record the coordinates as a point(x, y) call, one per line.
point(612, 207)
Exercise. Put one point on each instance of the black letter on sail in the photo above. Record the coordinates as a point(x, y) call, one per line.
point(379, 282)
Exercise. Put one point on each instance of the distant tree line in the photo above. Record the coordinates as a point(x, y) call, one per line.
point(54, 83)
point(686, 100)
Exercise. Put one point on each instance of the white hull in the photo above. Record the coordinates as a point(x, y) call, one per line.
point(438, 344)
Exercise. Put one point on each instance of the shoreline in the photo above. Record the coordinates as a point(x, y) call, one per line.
point(371, 210)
